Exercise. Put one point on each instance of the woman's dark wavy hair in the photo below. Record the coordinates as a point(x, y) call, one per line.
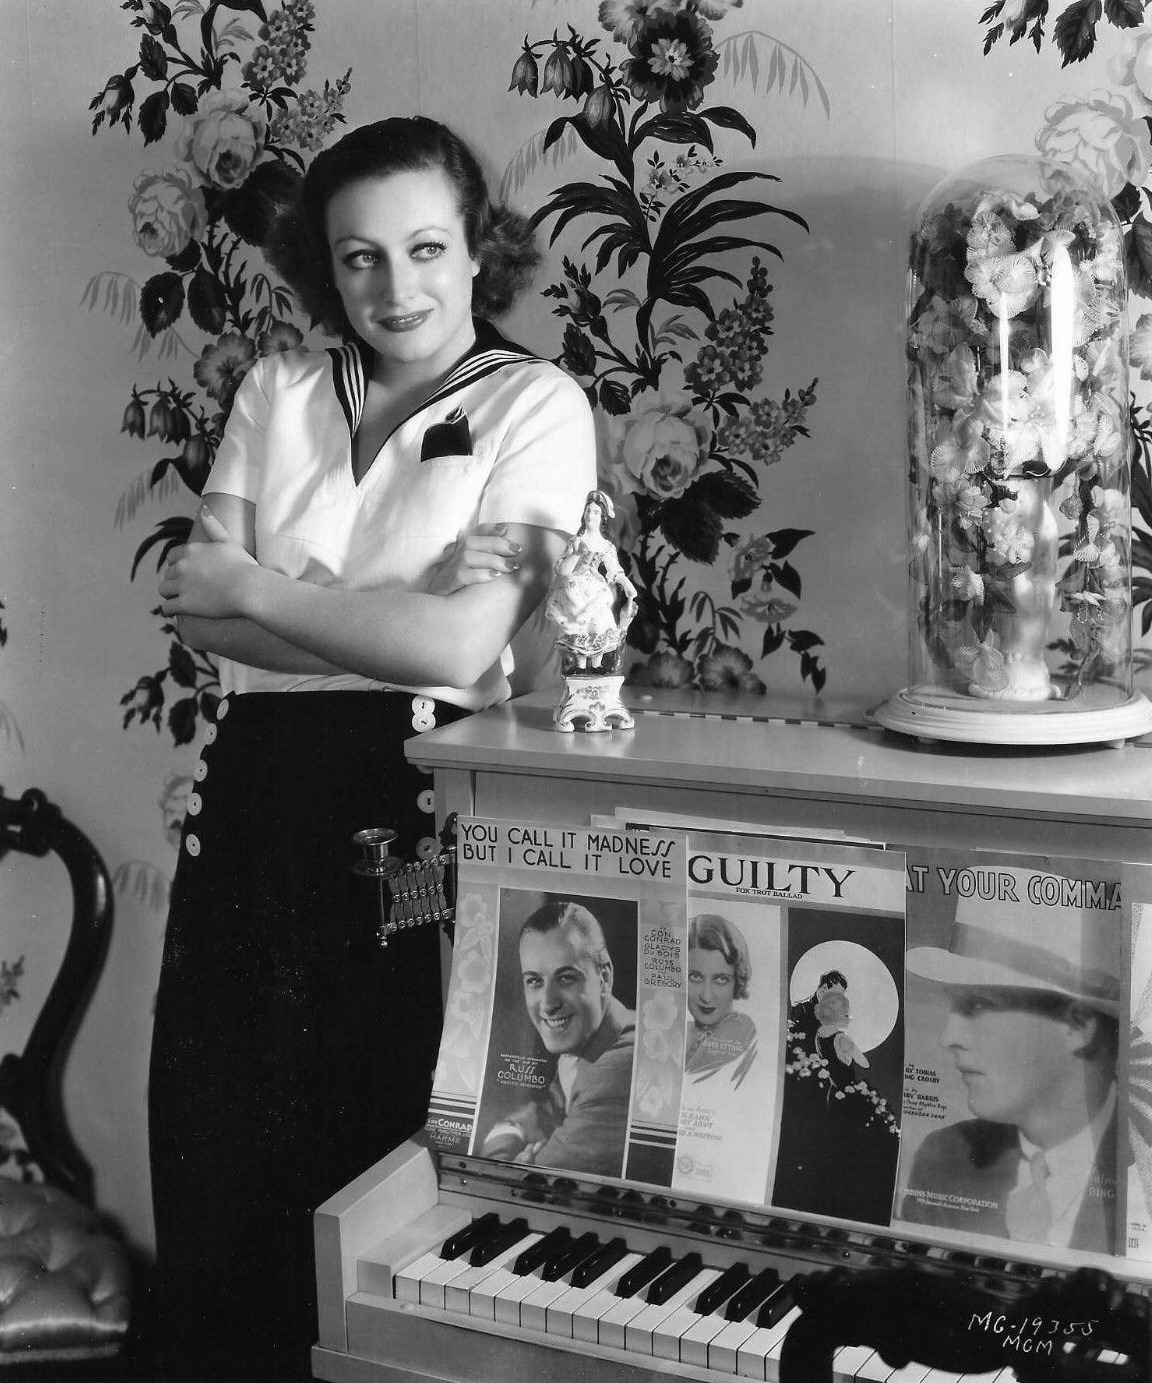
point(715, 933)
point(499, 238)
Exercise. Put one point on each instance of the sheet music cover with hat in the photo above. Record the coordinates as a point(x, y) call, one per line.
point(1017, 1000)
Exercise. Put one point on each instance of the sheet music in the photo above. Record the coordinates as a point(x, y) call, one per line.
point(999, 1068)
point(829, 1079)
point(736, 1086)
point(579, 1082)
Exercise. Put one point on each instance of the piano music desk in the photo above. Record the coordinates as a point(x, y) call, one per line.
point(727, 758)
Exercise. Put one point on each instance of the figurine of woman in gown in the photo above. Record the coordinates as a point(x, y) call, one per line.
point(591, 601)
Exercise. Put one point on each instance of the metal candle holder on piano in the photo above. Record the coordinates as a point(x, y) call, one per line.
point(408, 893)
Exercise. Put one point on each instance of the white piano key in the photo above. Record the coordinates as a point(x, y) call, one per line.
point(874, 1370)
point(406, 1283)
point(560, 1315)
point(667, 1337)
point(432, 1283)
point(722, 1347)
point(775, 1345)
point(638, 1333)
point(910, 1373)
point(482, 1297)
point(696, 1339)
point(507, 1300)
point(459, 1290)
point(586, 1318)
point(667, 1334)
point(943, 1376)
point(848, 1360)
point(752, 1354)
point(534, 1309)
point(610, 1330)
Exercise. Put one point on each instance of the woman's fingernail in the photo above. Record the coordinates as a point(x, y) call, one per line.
point(514, 547)
point(513, 566)
point(501, 528)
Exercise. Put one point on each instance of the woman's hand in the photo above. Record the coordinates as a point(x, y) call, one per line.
point(205, 578)
point(481, 554)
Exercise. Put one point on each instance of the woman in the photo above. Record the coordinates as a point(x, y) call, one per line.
point(289, 1052)
point(591, 601)
point(719, 972)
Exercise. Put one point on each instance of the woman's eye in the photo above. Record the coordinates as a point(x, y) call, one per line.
point(429, 249)
point(360, 259)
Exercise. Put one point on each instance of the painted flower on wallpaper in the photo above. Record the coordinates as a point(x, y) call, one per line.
point(663, 447)
point(168, 212)
point(1102, 137)
point(728, 669)
point(672, 59)
point(223, 365)
point(1133, 66)
point(224, 138)
point(234, 123)
point(672, 372)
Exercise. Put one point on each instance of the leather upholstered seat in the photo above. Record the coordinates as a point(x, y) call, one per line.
point(64, 1282)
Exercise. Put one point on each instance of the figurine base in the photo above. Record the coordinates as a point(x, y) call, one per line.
point(1100, 715)
point(592, 702)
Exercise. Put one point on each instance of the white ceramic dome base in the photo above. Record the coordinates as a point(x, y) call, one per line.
point(1099, 715)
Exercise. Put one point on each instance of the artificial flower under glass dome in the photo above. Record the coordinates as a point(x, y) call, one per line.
point(1019, 498)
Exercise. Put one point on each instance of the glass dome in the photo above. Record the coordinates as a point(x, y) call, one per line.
point(1018, 480)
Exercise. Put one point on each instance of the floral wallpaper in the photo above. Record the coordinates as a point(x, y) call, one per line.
point(1108, 135)
point(241, 149)
point(669, 325)
point(720, 191)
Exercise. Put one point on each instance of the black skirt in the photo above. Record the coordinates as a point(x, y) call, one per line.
point(290, 1051)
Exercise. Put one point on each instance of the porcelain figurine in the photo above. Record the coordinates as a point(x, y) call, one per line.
point(591, 602)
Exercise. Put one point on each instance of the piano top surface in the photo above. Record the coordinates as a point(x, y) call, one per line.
point(761, 745)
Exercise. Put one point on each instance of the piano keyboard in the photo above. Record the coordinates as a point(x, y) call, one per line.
point(535, 1293)
point(650, 1306)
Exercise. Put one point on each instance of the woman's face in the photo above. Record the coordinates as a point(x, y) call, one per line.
point(402, 268)
point(593, 516)
point(711, 981)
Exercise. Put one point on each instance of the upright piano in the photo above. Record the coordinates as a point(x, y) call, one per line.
point(451, 1267)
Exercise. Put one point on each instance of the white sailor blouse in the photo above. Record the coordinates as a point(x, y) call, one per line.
point(506, 438)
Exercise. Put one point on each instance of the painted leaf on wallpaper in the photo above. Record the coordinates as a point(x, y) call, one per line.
point(686, 439)
point(240, 153)
point(1073, 30)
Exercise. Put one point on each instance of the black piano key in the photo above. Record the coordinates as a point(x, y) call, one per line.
point(495, 1244)
point(726, 1285)
point(672, 1279)
point(750, 1296)
point(542, 1250)
point(604, 1258)
point(637, 1278)
point(782, 1300)
point(569, 1257)
point(470, 1235)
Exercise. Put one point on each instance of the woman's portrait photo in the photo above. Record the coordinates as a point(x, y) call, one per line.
point(721, 1038)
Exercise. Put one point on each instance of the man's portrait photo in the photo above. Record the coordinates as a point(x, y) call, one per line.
point(560, 1060)
point(1029, 1000)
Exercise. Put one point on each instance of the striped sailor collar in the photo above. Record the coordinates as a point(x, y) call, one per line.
point(352, 368)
